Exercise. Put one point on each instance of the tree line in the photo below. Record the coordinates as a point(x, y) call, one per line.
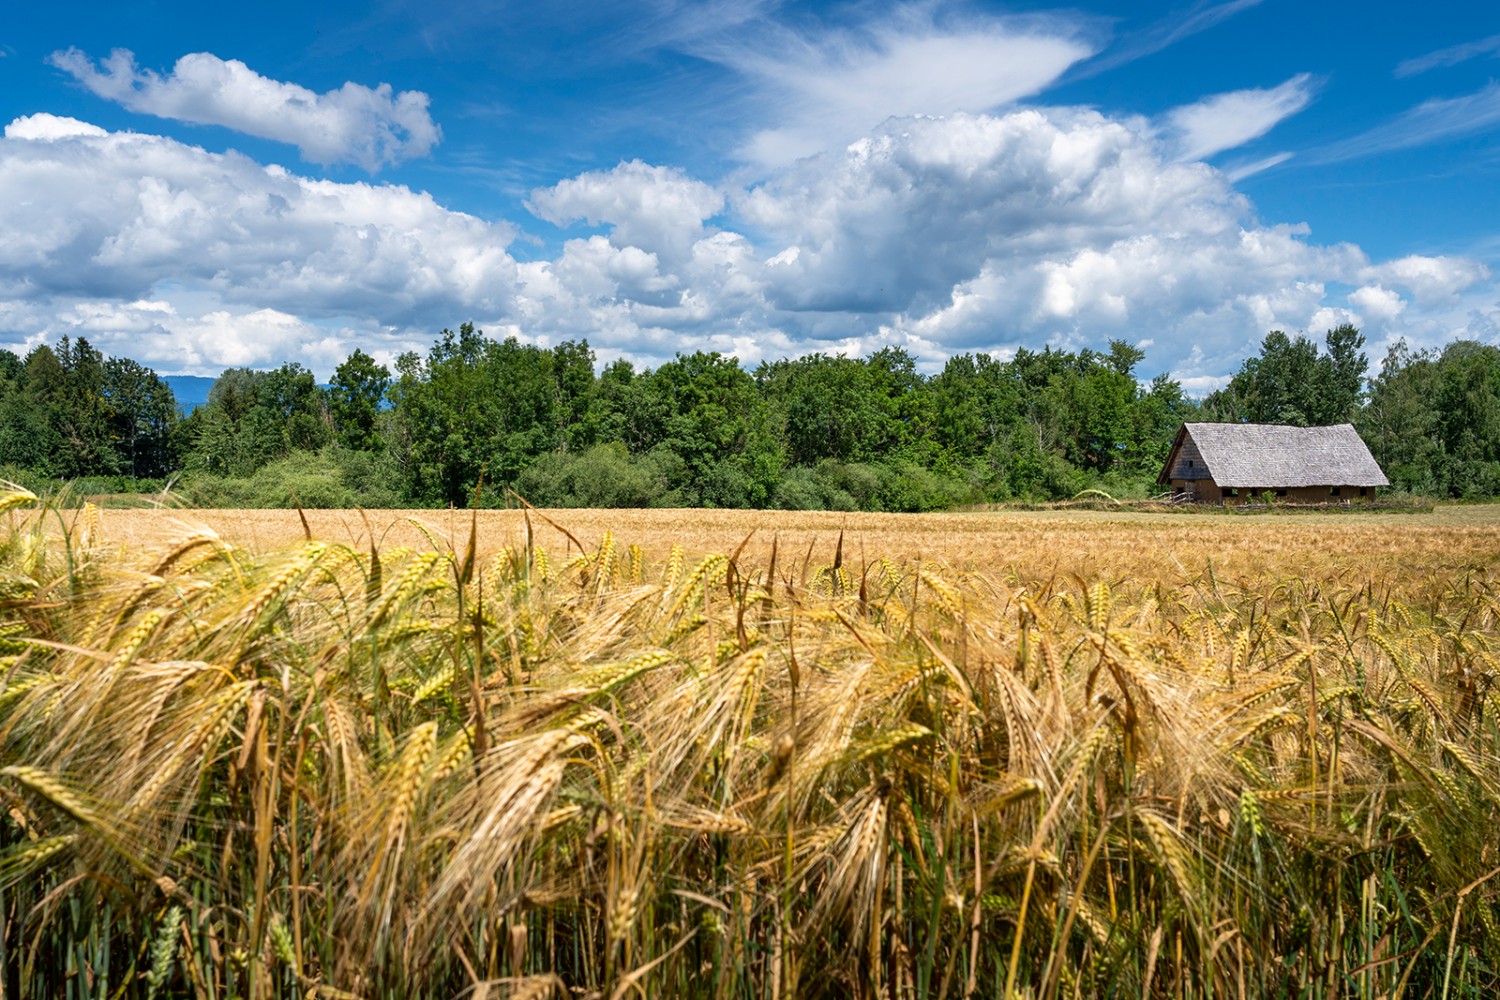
point(474, 416)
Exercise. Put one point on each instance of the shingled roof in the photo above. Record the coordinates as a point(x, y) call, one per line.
point(1273, 456)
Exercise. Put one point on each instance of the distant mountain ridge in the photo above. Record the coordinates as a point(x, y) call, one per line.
point(190, 391)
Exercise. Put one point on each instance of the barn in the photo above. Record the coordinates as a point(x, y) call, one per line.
point(1238, 463)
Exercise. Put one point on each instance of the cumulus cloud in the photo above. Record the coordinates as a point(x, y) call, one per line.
point(895, 220)
point(935, 234)
point(206, 342)
point(93, 216)
point(970, 232)
point(831, 86)
point(1377, 306)
point(1066, 227)
point(1429, 278)
point(1225, 121)
point(114, 213)
point(44, 127)
point(353, 124)
point(660, 209)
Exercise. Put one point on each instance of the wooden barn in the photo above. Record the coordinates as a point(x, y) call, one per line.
point(1239, 463)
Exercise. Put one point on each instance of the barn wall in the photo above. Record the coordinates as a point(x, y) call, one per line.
point(1203, 490)
point(1302, 494)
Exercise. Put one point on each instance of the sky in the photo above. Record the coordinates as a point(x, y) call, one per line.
point(200, 188)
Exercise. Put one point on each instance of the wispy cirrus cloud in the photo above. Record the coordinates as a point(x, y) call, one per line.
point(1225, 121)
point(371, 128)
point(1164, 33)
point(1237, 172)
point(1451, 56)
point(1437, 120)
point(827, 86)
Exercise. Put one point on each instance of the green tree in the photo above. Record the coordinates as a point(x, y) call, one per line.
point(1468, 407)
point(1341, 376)
point(578, 414)
point(143, 419)
point(474, 408)
point(68, 385)
point(27, 437)
point(715, 428)
point(355, 397)
point(291, 398)
point(628, 408)
point(1400, 423)
point(1290, 382)
point(254, 417)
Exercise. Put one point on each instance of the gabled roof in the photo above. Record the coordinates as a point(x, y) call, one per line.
point(1273, 456)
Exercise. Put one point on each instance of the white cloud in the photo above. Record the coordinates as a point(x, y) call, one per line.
point(1225, 121)
point(818, 89)
point(1239, 171)
point(1065, 227)
point(897, 219)
point(196, 334)
point(1202, 385)
point(1433, 121)
point(206, 343)
point(116, 213)
point(1429, 278)
point(596, 270)
point(1451, 56)
point(354, 124)
point(939, 235)
point(96, 217)
point(1169, 30)
point(660, 209)
point(43, 127)
point(1377, 306)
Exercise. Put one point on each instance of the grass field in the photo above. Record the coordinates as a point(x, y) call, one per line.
point(709, 753)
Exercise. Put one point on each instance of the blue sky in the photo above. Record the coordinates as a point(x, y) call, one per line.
point(281, 181)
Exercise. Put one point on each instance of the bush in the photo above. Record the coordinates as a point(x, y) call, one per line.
point(858, 481)
point(372, 477)
point(724, 484)
point(27, 479)
point(799, 489)
point(306, 478)
point(910, 489)
point(872, 486)
point(73, 492)
point(604, 476)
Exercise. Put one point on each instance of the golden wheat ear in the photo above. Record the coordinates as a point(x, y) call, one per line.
point(640, 770)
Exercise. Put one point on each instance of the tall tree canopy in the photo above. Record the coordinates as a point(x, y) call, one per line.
point(1291, 382)
point(820, 431)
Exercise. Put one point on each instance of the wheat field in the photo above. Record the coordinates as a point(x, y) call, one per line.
point(1025, 543)
point(730, 754)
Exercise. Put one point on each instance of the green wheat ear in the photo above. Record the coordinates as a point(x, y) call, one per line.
point(13, 496)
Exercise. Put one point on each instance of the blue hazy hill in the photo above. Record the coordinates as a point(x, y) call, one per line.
point(191, 391)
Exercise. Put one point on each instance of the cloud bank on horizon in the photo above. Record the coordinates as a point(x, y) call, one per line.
point(894, 181)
